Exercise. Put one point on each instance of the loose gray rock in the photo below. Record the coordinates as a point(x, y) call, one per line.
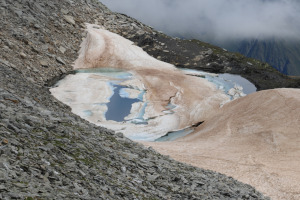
point(58, 59)
point(44, 63)
point(69, 19)
point(47, 152)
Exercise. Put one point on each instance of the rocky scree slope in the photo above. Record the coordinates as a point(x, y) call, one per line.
point(46, 151)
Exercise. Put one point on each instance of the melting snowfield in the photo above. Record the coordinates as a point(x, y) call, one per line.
point(253, 138)
point(123, 102)
point(119, 86)
point(171, 99)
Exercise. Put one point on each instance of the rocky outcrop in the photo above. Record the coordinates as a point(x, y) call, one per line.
point(46, 152)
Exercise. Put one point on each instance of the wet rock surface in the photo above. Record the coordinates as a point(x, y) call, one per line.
point(46, 152)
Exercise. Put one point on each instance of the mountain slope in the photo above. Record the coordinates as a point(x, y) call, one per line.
point(203, 56)
point(282, 54)
point(46, 152)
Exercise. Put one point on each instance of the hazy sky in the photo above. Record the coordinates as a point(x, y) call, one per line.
point(215, 19)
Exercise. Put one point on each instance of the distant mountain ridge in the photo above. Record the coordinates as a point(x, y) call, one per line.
point(282, 54)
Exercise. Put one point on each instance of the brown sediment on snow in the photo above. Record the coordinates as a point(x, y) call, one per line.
point(255, 139)
point(195, 99)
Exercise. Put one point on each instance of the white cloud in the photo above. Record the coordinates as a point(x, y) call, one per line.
point(217, 19)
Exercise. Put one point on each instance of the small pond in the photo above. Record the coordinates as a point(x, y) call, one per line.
point(119, 106)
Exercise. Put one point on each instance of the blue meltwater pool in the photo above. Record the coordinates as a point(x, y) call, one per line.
point(119, 106)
